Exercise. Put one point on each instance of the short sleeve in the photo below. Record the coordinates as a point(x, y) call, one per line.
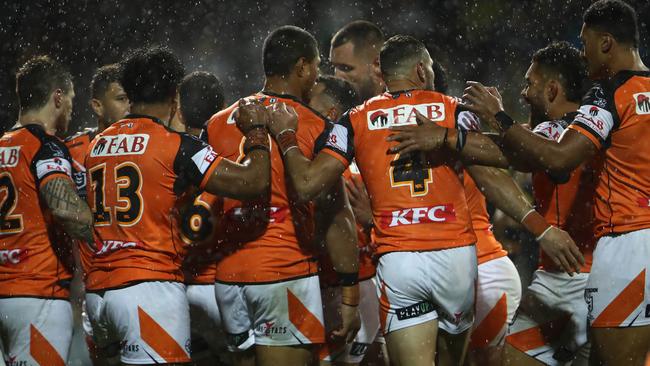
point(597, 115)
point(51, 160)
point(337, 140)
point(552, 130)
point(194, 163)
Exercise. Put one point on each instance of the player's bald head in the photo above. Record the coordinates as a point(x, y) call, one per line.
point(284, 47)
point(400, 54)
point(365, 37)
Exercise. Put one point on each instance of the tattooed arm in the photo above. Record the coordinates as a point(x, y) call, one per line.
point(68, 209)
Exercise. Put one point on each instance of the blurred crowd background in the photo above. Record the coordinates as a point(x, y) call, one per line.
point(490, 41)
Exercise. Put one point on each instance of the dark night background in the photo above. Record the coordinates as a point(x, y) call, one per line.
point(490, 41)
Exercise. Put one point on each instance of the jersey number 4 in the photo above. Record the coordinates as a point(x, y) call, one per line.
point(9, 222)
point(411, 172)
point(128, 204)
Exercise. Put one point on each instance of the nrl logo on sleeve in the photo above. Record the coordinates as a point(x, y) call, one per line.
point(9, 156)
point(642, 101)
point(120, 145)
point(403, 115)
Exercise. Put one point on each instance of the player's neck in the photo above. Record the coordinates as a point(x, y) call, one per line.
point(43, 117)
point(101, 125)
point(193, 131)
point(401, 84)
point(282, 85)
point(626, 59)
point(561, 109)
point(162, 111)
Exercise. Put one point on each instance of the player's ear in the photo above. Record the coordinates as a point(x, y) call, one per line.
point(97, 107)
point(302, 67)
point(606, 43)
point(57, 95)
point(422, 75)
point(552, 90)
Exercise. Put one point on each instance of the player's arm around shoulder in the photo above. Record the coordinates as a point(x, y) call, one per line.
point(309, 177)
point(253, 178)
point(53, 168)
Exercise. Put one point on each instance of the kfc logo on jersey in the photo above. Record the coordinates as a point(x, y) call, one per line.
point(204, 158)
point(120, 145)
point(12, 256)
point(642, 101)
point(109, 246)
point(47, 166)
point(404, 114)
point(9, 156)
point(418, 215)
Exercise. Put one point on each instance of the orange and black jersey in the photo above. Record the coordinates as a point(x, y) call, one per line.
point(567, 203)
point(29, 263)
point(614, 116)
point(78, 146)
point(417, 205)
point(137, 170)
point(276, 235)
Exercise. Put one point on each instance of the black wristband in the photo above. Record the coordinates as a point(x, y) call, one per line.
point(461, 139)
point(348, 279)
point(505, 121)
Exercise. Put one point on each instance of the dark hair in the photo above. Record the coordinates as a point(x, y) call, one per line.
point(360, 33)
point(397, 51)
point(340, 90)
point(284, 47)
point(37, 79)
point(440, 83)
point(200, 95)
point(151, 75)
point(102, 78)
point(566, 62)
point(614, 17)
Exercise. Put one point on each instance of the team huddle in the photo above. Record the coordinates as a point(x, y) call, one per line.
point(331, 219)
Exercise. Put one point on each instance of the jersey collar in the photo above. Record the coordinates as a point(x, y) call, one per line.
point(143, 116)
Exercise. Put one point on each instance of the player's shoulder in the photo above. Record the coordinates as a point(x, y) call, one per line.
point(81, 137)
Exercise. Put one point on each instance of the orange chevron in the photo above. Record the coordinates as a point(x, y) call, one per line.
point(303, 319)
point(491, 325)
point(623, 305)
point(384, 307)
point(41, 350)
point(538, 336)
point(157, 338)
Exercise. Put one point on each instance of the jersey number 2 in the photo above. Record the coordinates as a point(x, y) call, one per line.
point(9, 223)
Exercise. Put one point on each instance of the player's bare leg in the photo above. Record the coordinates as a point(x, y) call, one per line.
point(377, 355)
point(413, 346)
point(245, 358)
point(620, 346)
point(491, 356)
point(452, 348)
point(281, 355)
point(514, 357)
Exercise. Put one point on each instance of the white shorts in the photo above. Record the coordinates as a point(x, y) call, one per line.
point(149, 320)
point(551, 324)
point(277, 314)
point(35, 331)
point(416, 287)
point(618, 290)
point(205, 320)
point(369, 313)
point(498, 293)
